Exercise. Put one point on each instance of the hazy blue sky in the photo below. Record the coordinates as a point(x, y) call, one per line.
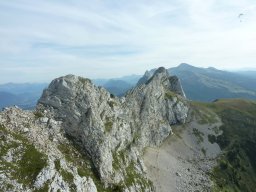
point(43, 39)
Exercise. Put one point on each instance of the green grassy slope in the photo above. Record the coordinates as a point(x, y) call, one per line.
point(208, 84)
point(236, 169)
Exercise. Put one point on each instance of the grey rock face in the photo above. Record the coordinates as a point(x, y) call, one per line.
point(105, 126)
point(19, 130)
point(145, 78)
point(175, 84)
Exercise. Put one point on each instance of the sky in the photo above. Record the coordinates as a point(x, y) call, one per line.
point(44, 39)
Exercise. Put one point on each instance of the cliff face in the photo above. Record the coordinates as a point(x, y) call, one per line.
point(104, 125)
point(112, 131)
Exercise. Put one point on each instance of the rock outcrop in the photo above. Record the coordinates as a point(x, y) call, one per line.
point(175, 84)
point(32, 155)
point(106, 126)
point(81, 133)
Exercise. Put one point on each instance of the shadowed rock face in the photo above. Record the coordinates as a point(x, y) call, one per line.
point(105, 125)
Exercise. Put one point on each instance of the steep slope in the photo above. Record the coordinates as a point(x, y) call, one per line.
point(208, 84)
point(184, 160)
point(213, 151)
point(236, 170)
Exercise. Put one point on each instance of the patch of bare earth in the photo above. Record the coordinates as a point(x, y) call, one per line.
point(182, 163)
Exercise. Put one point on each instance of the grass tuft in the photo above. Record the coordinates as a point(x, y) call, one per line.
point(38, 114)
point(108, 124)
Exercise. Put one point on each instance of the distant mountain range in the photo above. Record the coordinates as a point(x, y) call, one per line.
point(208, 84)
point(251, 74)
point(24, 95)
point(200, 84)
point(118, 86)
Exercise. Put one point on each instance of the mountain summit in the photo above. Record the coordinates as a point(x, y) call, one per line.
point(104, 125)
point(185, 66)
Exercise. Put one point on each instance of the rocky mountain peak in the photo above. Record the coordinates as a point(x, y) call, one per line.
point(162, 75)
point(160, 72)
point(185, 66)
point(104, 125)
point(111, 131)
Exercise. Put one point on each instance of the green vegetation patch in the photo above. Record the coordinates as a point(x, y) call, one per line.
point(203, 114)
point(134, 177)
point(203, 151)
point(30, 165)
point(112, 104)
point(57, 164)
point(77, 156)
point(74, 155)
point(26, 163)
point(170, 95)
point(108, 124)
point(84, 80)
point(236, 169)
point(212, 139)
point(67, 176)
point(38, 114)
point(199, 135)
point(118, 159)
point(3, 129)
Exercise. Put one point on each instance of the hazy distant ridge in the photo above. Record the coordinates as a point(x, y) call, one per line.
point(201, 84)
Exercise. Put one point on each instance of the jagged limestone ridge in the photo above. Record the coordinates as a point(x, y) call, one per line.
point(106, 126)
